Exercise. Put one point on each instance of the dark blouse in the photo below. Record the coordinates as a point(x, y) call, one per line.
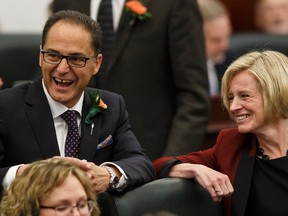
point(269, 188)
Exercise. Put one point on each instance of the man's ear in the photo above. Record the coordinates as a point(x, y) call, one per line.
point(98, 63)
point(40, 59)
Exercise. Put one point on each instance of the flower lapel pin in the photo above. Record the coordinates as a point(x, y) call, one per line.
point(97, 106)
point(138, 11)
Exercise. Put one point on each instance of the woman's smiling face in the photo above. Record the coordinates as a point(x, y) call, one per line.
point(246, 102)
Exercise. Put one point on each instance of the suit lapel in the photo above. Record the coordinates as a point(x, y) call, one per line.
point(243, 180)
point(123, 33)
point(89, 137)
point(122, 36)
point(40, 117)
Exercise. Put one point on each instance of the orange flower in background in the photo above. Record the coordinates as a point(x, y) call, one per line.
point(136, 7)
point(138, 11)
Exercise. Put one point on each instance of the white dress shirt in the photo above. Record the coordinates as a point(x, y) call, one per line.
point(61, 127)
point(213, 79)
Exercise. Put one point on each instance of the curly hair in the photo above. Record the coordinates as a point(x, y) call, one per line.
point(23, 196)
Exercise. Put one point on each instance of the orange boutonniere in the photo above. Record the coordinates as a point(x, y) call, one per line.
point(138, 11)
point(97, 106)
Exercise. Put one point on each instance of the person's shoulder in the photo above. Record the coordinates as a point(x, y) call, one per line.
point(102, 92)
point(176, 4)
point(15, 91)
point(106, 96)
point(232, 134)
point(13, 98)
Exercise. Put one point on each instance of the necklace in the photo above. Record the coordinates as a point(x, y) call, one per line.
point(260, 153)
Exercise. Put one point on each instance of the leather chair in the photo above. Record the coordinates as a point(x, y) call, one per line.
point(167, 197)
point(244, 42)
point(19, 54)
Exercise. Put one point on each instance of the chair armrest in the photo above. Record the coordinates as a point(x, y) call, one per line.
point(176, 196)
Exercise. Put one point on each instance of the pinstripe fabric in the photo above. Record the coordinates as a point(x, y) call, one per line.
point(105, 18)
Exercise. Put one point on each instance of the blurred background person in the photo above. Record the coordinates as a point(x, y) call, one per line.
point(50, 187)
point(1, 83)
point(217, 31)
point(271, 16)
point(158, 64)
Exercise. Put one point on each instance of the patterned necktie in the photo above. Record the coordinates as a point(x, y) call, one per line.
point(72, 139)
point(105, 19)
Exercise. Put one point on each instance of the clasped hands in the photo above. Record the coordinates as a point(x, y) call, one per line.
point(216, 183)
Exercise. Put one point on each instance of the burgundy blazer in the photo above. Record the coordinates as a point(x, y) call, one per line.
point(233, 155)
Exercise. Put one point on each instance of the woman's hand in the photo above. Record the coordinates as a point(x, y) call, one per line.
point(216, 183)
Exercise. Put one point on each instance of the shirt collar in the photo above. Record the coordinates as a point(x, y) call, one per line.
point(57, 108)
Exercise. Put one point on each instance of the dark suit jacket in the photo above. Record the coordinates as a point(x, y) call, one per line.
point(233, 155)
point(27, 133)
point(159, 67)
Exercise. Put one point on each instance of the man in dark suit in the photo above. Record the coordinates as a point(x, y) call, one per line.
point(159, 66)
point(31, 123)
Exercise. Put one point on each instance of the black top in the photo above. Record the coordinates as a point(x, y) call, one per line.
point(269, 188)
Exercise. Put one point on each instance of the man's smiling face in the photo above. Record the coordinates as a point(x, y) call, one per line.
point(64, 83)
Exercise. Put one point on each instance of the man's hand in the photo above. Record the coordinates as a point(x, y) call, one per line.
point(21, 169)
point(100, 177)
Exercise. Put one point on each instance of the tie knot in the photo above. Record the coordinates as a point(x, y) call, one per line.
point(70, 117)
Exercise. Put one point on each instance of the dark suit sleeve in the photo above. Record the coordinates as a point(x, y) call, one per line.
point(127, 152)
point(190, 79)
point(23, 136)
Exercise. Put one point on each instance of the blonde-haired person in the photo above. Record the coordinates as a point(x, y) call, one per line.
point(247, 167)
point(50, 187)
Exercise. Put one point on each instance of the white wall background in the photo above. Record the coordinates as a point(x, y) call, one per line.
point(23, 16)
